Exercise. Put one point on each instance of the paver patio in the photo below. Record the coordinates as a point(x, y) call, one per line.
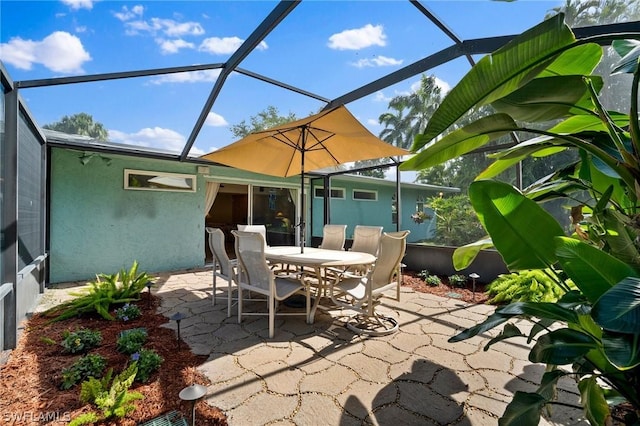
point(323, 374)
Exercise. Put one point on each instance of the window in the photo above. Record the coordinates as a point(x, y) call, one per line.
point(365, 195)
point(158, 181)
point(318, 192)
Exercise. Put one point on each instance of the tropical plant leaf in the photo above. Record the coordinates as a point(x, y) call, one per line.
point(502, 72)
point(523, 410)
point(507, 332)
point(561, 347)
point(492, 321)
point(464, 255)
point(622, 350)
point(629, 62)
point(549, 98)
point(591, 270)
point(546, 310)
point(593, 401)
point(618, 309)
point(620, 241)
point(520, 229)
point(460, 141)
point(549, 382)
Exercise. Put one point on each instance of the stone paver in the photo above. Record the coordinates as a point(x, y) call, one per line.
point(323, 374)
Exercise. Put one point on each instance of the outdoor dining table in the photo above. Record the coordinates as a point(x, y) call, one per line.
point(318, 259)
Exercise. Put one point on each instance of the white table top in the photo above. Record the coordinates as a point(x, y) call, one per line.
point(317, 257)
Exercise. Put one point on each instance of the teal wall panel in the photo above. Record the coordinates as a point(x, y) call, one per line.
point(99, 227)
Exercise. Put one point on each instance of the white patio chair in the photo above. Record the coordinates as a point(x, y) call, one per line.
point(255, 275)
point(261, 229)
point(362, 293)
point(399, 234)
point(223, 267)
point(366, 240)
point(333, 237)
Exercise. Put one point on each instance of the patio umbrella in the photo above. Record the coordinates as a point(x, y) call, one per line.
point(326, 139)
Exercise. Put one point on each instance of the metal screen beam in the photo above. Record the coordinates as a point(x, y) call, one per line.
point(270, 22)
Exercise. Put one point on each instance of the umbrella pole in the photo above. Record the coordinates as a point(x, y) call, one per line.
point(302, 206)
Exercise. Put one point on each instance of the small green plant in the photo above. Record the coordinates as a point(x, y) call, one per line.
point(48, 340)
point(113, 398)
point(107, 290)
point(91, 365)
point(130, 341)
point(423, 274)
point(148, 362)
point(433, 280)
point(128, 312)
point(524, 286)
point(457, 280)
point(80, 341)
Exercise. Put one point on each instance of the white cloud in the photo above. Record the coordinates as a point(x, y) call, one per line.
point(79, 4)
point(380, 97)
point(59, 51)
point(173, 46)
point(81, 29)
point(378, 61)
point(225, 45)
point(373, 122)
point(359, 38)
point(215, 120)
point(128, 14)
point(206, 76)
point(156, 137)
point(168, 27)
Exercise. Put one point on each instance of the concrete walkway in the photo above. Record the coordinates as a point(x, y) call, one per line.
point(323, 374)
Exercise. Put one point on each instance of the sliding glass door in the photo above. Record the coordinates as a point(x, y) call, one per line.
point(276, 209)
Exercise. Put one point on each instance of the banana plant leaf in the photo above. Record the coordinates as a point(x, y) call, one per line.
point(618, 309)
point(546, 310)
point(520, 229)
point(461, 141)
point(561, 347)
point(630, 52)
point(464, 255)
point(501, 73)
point(523, 410)
point(549, 381)
point(593, 271)
point(492, 321)
point(507, 332)
point(620, 238)
point(622, 350)
point(549, 98)
point(595, 405)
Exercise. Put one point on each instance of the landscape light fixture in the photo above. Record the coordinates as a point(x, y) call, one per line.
point(474, 276)
point(193, 393)
point(177, 317)
point(149, 285)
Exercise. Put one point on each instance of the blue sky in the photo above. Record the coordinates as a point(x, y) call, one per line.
point(325, 47)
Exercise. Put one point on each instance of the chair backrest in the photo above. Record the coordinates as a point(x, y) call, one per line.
point(220, 258)
point(366, 239)
point(250, 253)
point(261, 229)
point(390, 253)
point(333, 237)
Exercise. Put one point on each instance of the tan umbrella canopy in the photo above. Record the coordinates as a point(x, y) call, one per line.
point(326, 139)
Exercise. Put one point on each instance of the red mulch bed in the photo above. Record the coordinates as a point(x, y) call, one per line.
point(466, 294)
point(30, 392)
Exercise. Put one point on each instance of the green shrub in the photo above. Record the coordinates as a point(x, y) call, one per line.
point(433, 280)
point(524, 286)
point(91, 365)
point(148, 362)
point(130, 341)
point(80, 341)
point(47, 340)
point(128, 312)
point(122, 287)
point(423, 274)
point(457, 280)
point(113, 398)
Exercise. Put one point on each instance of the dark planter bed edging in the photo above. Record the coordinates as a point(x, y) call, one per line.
point(437, 260)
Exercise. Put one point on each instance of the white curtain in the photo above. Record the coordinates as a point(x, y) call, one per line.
point(210, 196)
